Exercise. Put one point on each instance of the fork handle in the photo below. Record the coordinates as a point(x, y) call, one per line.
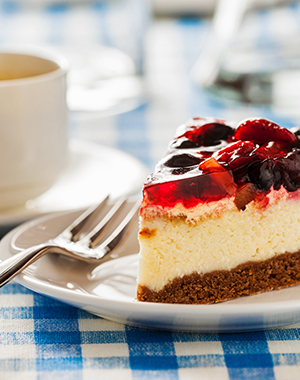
point(12, 266)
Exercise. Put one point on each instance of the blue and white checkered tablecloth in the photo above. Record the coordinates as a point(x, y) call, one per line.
point(41, 338)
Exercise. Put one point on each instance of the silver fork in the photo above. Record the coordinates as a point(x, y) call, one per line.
point(76, 242)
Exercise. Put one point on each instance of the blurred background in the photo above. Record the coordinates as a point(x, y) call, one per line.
point(139, 68)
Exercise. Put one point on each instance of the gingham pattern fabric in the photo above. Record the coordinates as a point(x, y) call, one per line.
point(41, 338)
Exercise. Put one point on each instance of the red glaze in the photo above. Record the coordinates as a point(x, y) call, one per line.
point(211, 160)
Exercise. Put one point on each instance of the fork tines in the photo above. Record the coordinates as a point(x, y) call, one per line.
point(102, 227)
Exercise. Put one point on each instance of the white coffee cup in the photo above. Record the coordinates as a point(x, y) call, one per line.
point(33, 124)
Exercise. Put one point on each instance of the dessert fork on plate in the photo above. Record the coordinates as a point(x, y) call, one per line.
point(82, 239)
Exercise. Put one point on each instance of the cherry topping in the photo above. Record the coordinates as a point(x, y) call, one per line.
point(245, 163)
point(265, 174)
point(273, 149)
point(290, 171)
point(236, 154)
point(209, 134)
point(182, 160)
point(261, 131)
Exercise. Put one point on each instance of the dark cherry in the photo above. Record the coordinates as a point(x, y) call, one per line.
point(290, 171)
point(277, 177)
point(214, 133)
point(184, 143)
point(182, 160)
point(264, 174)
point(209, 134)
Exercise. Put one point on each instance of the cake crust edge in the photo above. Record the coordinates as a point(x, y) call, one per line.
point(246, 279)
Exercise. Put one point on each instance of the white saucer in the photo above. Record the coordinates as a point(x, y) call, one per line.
point(108, 290)
point(92, 172)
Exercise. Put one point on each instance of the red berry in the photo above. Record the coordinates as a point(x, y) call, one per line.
point(236, 154)
point(233, 150)
point(273, 149)
point(261, 131)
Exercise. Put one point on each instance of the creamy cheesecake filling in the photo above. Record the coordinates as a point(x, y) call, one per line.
point(178, 246)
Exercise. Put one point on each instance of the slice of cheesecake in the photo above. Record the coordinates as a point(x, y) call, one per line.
point(220, 216)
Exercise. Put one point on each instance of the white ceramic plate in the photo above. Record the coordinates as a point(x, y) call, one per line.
point(108, 290)
point(92, 172)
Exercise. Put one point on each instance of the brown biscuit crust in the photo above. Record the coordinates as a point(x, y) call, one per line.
point(249, 278)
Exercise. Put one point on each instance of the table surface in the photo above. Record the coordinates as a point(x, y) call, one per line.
point(41, 338)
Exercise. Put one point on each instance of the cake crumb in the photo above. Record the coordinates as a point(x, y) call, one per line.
point(147, 233)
